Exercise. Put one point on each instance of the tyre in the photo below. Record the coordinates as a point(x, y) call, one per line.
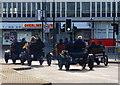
point(98, 62)
point(41, 62)
point(91, 62)
point(29, 62)
point(49, 62)
point(105, 60)
point(6, 58)
point(22, 60)
point(83, 66)
point(14, 61)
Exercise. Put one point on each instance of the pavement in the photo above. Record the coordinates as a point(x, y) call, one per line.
point(8, 76)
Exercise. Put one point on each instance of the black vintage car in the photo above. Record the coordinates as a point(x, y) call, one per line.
point(68, 58)
point(14, 56)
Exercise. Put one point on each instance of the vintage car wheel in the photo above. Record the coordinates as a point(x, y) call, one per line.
point(105, 59)
point(6, 58)
point(98, 62)
point(83, 66)
point(91, 62)
point(14, 61)
point(41, 62)
point(29, 62)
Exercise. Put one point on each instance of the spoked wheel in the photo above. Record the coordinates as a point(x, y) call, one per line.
point(91, 62)
point(105, 59)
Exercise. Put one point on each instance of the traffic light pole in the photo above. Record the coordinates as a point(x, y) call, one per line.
point(113, 23)
point(54, 30)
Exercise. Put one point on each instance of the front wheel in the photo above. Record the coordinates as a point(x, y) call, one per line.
point(14, 61)
point(91, 62)
point(105, 60)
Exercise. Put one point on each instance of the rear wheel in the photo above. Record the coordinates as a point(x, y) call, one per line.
point(91, 62)
point(6, 58)
point(105, 60)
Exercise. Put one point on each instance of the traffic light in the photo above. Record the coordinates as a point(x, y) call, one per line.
point(68, 27)
point(58, 27)
point(116, 28)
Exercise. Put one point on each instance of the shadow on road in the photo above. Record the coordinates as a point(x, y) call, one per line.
point(77, 70)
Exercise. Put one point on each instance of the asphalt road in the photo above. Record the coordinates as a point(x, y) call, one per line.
point(100, 74)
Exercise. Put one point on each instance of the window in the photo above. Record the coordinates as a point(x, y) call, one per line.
point(19, 10)
point(103, 9)
point(14, 9)
point(63, 9)
point(98, 9)
point(4, 9)
point(85, 9)
point(0, 10)
point(9, 10)
point(29, 9)
point(113, 9)
point(24, 9)
point(48, 8)
point(118, 14)
point(38, 6)
point(58, 9)
point(108, 9)
point(53, 9)
point(78, 9)
point(33, 9)
point(93, 9)
point(70, 9)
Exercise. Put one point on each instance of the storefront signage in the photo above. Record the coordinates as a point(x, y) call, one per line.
point(36, 25)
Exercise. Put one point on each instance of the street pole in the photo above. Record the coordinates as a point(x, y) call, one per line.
point(113, 22)
point(42, 23)
point(54, 30)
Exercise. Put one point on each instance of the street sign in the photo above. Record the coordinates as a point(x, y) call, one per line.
point(46, 28)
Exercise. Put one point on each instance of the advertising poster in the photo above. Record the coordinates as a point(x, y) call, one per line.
point(9, 37)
